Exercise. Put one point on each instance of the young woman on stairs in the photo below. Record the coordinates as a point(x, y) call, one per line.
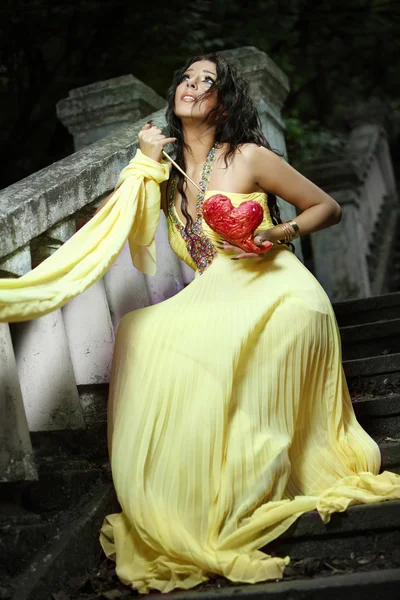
point(229, 413)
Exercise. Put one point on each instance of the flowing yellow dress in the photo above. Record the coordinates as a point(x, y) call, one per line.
point(232, 418)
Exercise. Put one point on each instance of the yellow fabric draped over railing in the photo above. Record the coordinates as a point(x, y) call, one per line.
point(131, 214)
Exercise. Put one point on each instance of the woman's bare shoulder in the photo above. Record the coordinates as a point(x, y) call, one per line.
point(251, 152)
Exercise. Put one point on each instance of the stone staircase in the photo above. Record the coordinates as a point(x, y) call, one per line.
point(394, 274)
point(49, 529)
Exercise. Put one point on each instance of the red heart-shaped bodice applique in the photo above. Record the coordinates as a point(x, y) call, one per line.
point(235, 225)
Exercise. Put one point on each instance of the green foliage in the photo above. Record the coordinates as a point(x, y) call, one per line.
point(308, 141)
point(334, 53)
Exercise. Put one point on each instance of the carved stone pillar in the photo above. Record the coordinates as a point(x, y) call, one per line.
point(340, 252)
point(168, 279)
point(94, 111)
point(90, 335)
point(125, 287)
point(16, 455)
point(43, 359)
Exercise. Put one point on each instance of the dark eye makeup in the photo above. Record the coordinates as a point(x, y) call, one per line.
point(206, 78)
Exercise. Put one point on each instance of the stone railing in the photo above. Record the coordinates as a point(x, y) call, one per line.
point(54, 370)
point(352, 260)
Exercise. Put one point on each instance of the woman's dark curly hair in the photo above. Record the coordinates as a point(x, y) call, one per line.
point(234, 117)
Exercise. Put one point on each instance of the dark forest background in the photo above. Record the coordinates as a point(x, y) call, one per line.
point(335, 53)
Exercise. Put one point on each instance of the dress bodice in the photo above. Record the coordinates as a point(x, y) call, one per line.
point(210, 251)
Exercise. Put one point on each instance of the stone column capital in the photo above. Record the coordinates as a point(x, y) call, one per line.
point(268, 82)
point(99, 109)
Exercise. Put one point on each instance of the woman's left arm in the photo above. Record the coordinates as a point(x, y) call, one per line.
point(273, 174)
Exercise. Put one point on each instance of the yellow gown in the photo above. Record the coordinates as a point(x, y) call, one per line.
point(232, 418)
point(230, 408)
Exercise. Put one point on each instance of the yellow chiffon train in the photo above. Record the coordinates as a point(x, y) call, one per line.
point(132, 214)
point(230, 417)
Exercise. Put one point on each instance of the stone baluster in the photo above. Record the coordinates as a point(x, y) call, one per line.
point(125, 287)
point(16, 455)
point(168, 278)
point(90, 335)
point(340, 252)
point(386, 166)
point(43, 359)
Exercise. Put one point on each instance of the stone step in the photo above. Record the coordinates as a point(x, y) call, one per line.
point(380, 417)
point(60, 491)
point(69, 553)
point(59, 488)
point(359, 531)
point(68, 444)
point(390, 452)
point(360, 581)
point(371, 339)
point(373, 375)
point(20, 543)
point(367, 310)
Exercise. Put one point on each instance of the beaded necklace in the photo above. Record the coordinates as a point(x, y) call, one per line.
point(198, 244)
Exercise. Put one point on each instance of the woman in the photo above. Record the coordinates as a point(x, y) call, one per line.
point(229, 415)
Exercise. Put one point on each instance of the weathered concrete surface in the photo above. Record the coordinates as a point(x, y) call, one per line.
point(379, 585)
point(335, 267)
point(17, 263)
point(371, 339)
point(125, 287)
point(380, 417)
point(16, 454)
point(90, 335)
point(73, 551)
point(360, 530)
point(367, 310)
point(348, 260)
point(94, 111)
point(373, 365)
point(45, 373)
point(390, 452)
point(168, 278)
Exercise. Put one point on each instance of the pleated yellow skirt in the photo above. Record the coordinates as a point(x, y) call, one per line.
point(231, 417)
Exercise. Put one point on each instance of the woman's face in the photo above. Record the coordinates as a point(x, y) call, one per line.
point(196, 80)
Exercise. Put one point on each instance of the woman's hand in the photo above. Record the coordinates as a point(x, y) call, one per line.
point(152, 141)
point(259, 238)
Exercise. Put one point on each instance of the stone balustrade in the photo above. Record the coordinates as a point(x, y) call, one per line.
point(351, 260)
point(54, 370)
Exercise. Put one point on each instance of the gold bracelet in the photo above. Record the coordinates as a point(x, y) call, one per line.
point(288, 233)
point(290, 230)
point(296, 229)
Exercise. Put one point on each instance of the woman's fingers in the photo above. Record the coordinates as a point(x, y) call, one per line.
point(245, 255)
point(167, 141)
point(240, 253)
point(228, 246)
point(152, 141)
